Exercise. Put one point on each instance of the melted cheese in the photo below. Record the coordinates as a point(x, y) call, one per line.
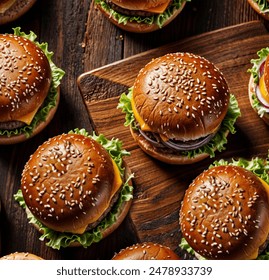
point(28, 118)
point(159, 9)
point(6, 5)
point(141, 122)
point(263, 89)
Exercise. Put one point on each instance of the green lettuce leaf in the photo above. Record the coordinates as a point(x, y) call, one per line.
point(58, 240)
point(50, 101)
point(258, 166)
point(263, 5)
point(216, 143)
point(256, 104)
point(158, 19)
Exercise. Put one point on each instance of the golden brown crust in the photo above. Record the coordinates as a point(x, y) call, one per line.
point(255, 6)
point(251, 92)
point(25, 77)
point(66, 183)
point(164, 155)
point(140, 27)
point(146, 251)
point(10, 140)
point(140, 5)
point(182, 96)
point(21, 256)
point(16, 10)
point(225, 214)
point(122, 212)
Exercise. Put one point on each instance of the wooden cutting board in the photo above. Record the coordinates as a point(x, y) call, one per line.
point(159, 187)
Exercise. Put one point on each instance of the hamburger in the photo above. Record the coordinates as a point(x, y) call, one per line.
point(140, 16)
point(180, 109)
point(76, 189)
point(261, 7)
point(11, 10)
point(29, 86)
point(225, 211)
point(258, 87)
point(21, 256)
point(146, 251)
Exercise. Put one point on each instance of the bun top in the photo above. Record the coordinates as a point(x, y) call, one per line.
point(25, 77)
point(68, 182)
point(139, 5)
point(21, 256)
point(146, 251)
point(225, 213)
point(181, 95)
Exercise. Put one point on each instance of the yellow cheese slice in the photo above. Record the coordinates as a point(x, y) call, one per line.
point(28, 118)
point(141, 122)
point(159, 9)
point(263, 89)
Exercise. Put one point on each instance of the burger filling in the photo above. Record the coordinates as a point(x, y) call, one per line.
point(259, 167)
point(123, 192)
point(208, 144)
point(28, 123)
point(157, 15)
point(263, 5)
point(260, 97)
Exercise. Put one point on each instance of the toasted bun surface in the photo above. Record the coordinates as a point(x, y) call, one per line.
point(182, 96)
point(25, 77)
point(15, 139)
point(256, 7)
point(225, 213)
point(146, 251)
point(136, 27)
point(140, 5)
point(21, 256)
point(68, 182)
point(11, 10)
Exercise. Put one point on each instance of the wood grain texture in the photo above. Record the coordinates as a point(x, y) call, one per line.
point(159, 187)
point(82, 39)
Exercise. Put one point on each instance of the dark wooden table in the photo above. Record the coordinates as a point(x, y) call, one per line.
point(82, 40)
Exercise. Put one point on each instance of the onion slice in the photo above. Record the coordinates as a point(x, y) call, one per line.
point(188, 145)
point(261, 99)
point(177, 146)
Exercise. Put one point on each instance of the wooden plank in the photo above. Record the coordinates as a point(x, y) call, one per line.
point(159, 187)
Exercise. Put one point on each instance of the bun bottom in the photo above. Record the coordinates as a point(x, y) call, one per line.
point(255, 6)
point(162, 154)
point(251, 92)
point(140, 27)
point(15, 11)
point(9, 140)
point(21, 256)
point(123, 211)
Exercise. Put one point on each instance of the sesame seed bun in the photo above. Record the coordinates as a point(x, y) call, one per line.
point(225, 214)
point(180, 96)
point(256, 7)
point(146, 251)
point(11, 10)
point(18, 256)
point(25, 82)
point(69, 184)
point(136, 27)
